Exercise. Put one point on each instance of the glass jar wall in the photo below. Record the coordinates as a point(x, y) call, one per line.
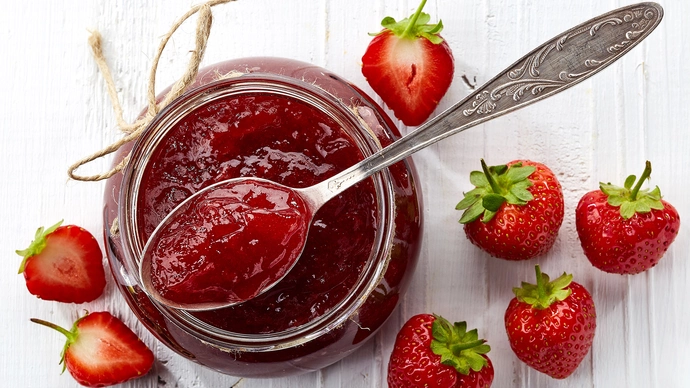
point(297, 124)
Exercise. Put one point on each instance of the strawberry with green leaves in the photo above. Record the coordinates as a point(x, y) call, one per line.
point(64, 264)
point(101, 350)
point(410, 66)
point(515, 210)
point(626, 230)
point(551, 324)
point(431, 352)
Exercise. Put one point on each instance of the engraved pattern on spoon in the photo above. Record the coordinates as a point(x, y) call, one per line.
point(639, 19)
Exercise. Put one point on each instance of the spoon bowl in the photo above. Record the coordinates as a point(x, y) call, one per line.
point(263, 226)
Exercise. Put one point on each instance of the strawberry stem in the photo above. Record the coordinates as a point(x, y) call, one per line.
point(492, 182)
point(458, 348)
point(70, 335)
point(645, 174)
point(413, 20)
point(541, 287)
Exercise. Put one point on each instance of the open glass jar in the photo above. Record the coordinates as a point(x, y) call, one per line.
point(298, 124)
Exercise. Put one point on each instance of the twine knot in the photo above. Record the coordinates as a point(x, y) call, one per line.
point(134, 130)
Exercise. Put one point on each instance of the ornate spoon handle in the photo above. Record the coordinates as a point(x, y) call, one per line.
point(565, 60)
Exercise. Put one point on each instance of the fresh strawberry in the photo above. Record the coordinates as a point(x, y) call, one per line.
point(65, 264)
point(551, 324)
point(101, 350)
point(626, 230)
point(410, 66)
point(515, 210)
point(430, 352)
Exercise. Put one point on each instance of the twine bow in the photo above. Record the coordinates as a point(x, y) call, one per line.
point(133, 130)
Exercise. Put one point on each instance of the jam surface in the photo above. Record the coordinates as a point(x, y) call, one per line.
point(228, 244)
point(281, 139)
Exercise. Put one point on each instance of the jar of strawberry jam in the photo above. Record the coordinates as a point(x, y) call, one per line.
point(296, 124)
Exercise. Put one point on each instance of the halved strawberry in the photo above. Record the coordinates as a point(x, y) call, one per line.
point(101, 350)
point(63, 263)
point(410, 66)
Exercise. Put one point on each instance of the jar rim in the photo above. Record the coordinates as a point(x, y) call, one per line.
point(314, 96)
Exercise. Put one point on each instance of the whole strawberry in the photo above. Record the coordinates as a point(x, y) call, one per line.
point(101, 350)
point(431, 352)
point(515, 210)
point(551, 324)
point(63, 263)
point(626, 230)
point(410, 66)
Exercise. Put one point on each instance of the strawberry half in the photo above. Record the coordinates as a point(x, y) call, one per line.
point(551, 324)
point(430, 352)
point(101, 350)
point(626, 230)
point(410, 66)
point(65, 264)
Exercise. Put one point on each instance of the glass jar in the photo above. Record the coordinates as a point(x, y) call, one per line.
point(285, 120)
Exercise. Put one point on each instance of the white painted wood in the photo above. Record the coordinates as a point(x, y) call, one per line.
point(55, 110)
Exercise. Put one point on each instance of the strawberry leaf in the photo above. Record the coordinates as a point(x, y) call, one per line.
point(471, 197)
point(518, 174)
point(494, 186)
point(488, 215)
point(415, 26)
point(37, 245)
point(457, 347)
point(629, 181)
point(546, 292)
point(632, 199)
point(493, 202)
point(473, 212)
point(478, 179)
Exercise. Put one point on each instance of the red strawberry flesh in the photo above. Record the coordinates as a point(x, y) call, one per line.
point(64, 263)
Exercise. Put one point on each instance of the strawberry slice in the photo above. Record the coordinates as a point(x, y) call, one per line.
point(65, 264)
point(101, 350)
point(410, 66)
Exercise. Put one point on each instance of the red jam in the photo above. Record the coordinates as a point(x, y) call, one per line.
point(283, 140)
point(228, 244)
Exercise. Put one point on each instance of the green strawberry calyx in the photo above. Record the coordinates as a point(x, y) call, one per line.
point(460, 349)
point(546, 292)
point(414, 27)
point(495, 186)
point(71, 335)
point(633, 199)
point(37, 245)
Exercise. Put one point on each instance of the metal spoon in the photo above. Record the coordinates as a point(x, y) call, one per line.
point(567, 59)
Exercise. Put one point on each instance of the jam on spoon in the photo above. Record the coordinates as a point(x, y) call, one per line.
point(227, 244)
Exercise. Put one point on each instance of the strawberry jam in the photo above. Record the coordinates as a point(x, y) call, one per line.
point(295, 124)
point(283, 140)
point(228, 244)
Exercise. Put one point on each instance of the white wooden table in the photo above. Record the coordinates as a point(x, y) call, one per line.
point(55, 109)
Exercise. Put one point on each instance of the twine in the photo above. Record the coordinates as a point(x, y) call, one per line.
point(133, 130)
